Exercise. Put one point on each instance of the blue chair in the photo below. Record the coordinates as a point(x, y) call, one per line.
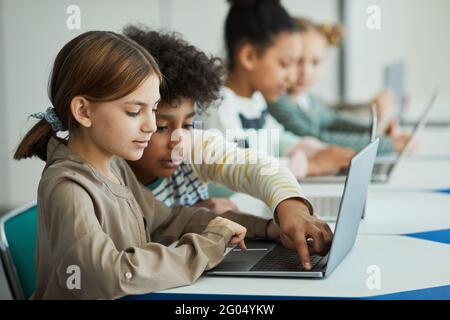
point(18, 234)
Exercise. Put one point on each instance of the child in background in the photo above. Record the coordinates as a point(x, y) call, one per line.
point(93, 212)
point(305, 115)
point(263, 48)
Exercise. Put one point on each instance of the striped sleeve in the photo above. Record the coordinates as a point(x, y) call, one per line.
point(243, 170)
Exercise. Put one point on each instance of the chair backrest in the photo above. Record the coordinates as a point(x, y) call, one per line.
point(18, 234)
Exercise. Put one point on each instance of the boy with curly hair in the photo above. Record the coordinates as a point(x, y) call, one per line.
point(180, 160)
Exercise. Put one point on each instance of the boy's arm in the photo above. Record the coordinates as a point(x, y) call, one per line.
point(171, 223)
point(243, 170)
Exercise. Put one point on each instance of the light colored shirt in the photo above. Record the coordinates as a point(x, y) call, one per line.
point(246, 117)
point(114, 237)
point(242, 116)
point(214, 159)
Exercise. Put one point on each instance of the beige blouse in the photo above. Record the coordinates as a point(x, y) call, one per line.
point(101, 240)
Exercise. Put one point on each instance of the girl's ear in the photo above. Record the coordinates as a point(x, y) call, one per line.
point(247, 56)
point(81, 111)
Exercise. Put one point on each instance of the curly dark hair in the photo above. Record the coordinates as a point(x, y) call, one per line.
point(188, 72)
point(256, 22)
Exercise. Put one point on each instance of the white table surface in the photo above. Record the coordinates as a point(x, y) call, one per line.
point(404, 264)
point(401, 206)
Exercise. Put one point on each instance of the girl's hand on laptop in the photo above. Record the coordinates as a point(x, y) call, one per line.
point(297, 225)
point(237, 230)
point(217, 205)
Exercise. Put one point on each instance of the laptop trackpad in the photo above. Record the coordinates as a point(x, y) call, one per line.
point(237, 260)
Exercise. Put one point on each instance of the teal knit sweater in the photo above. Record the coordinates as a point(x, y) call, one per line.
point(322, 122)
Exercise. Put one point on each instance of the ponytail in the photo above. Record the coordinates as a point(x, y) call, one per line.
point(35, 142)
point(333, 33)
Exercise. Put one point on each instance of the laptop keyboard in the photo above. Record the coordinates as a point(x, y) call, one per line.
point(381, 168)
point(282, 259)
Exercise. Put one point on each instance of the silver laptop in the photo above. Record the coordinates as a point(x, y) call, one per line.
point(328, 206)
point(385, 165)
point(271, 259)
point(384, 168)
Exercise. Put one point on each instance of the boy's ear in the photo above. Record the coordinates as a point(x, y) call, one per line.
point(247, 56)
point(81, 111)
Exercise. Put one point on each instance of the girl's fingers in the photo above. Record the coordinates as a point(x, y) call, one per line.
point(239, 239)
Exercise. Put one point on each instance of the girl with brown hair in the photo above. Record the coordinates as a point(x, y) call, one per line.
point(101, 234)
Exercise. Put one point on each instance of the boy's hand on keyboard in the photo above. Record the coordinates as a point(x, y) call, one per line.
point(238, 230)
point(272, 231)
point(297, 226)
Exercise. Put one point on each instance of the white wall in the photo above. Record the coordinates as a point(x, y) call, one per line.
point(415, 31)
point(201, 22)
point(34, 31)
point(4, 190)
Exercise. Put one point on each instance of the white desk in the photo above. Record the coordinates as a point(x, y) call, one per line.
point(405, 212)
point(404, 264)
point(433, 142)
point(411, 174)
point(387, 212)
point(417, 174)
